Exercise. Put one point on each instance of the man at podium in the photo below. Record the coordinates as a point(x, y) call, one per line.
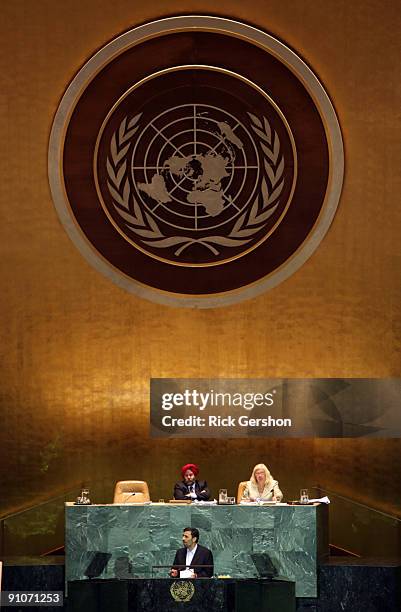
point(192, 556)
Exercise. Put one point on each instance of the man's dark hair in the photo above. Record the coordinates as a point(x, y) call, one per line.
point(194, 532)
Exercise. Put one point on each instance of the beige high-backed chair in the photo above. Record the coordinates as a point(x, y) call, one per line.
point(241, 489)
point(131, 492)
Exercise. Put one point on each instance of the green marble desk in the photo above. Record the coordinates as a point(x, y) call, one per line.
point(141, 537)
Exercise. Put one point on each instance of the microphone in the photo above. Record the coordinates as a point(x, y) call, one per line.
point(128, 495)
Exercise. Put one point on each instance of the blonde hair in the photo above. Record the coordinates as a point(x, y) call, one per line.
point(260, 466)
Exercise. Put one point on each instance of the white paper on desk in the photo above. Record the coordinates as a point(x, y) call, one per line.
point(321, 500)
point(187, 573)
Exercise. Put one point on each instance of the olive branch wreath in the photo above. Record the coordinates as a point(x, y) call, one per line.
point(143, 224)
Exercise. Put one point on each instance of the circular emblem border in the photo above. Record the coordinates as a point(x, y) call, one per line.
point(226, 27)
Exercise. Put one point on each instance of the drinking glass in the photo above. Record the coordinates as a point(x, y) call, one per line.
point(222, 496)
point(304, 496)
point(85, 496)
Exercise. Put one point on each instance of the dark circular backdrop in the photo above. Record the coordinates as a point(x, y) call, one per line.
point(126, 85)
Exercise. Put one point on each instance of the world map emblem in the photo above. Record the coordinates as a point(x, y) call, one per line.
point(182, 590)
point(191, 165)
point(195, 183)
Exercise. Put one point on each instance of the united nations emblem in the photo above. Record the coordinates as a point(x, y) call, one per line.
point(182, 590)
point(192, 161)
point(196, 184)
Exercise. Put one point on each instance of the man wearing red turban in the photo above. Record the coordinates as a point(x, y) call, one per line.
point(189, 487)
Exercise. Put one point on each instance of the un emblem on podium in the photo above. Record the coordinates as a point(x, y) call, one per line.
point(192, 161)
point(182, 590)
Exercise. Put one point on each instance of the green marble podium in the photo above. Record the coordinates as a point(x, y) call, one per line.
point(137, 538)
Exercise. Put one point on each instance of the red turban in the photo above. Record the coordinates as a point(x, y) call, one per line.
point(190, 466)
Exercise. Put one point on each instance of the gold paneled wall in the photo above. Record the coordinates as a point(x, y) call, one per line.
point(77, 352)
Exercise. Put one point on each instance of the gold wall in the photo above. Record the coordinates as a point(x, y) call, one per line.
point(77, 352)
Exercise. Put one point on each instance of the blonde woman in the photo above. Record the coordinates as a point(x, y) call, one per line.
point(262, 485)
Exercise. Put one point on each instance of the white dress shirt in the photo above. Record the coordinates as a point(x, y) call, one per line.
point(190, 555)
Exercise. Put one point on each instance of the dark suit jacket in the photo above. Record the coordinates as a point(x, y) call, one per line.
point(202, 556)
point(201, 490)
